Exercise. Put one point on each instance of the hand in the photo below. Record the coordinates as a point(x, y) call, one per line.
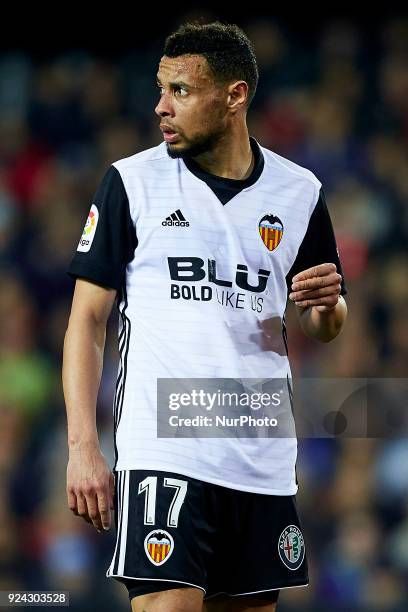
point(90, 485)
point(318, 286)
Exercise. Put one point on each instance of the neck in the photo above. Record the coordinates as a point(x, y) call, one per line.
point(231, 157)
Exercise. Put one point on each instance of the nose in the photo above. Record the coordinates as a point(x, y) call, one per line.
point(164, 108)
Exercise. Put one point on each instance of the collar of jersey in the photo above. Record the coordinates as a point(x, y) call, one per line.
point(213, 180)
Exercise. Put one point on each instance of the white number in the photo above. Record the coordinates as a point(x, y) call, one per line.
point(149, 485)
point(178, 499)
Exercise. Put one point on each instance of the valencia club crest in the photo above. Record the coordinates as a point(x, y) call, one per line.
point(158, 546)
point(271, 231)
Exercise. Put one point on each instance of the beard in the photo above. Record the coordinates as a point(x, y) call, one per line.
point(194, 147)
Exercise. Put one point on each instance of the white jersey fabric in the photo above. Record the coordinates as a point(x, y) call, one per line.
point(151, 216)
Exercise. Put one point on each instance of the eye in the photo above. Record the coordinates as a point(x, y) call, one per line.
point(161, 89)
point(180, 91)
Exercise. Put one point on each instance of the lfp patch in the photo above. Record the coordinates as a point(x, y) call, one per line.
point(159, 545)
point(271, 231)
point(291, 547)
point(89, 230)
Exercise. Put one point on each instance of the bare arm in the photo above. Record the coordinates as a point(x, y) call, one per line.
point(90, 485)
point(323, 326)
point(321, 309)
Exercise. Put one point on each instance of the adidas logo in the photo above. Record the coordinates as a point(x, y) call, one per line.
point(176, 218)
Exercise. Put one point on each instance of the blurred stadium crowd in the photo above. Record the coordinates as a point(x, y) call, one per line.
point(337, 105)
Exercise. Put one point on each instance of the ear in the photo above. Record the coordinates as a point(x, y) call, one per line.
point(237, 96)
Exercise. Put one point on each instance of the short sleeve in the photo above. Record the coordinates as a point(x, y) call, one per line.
point(318, 245)
point(108, 241)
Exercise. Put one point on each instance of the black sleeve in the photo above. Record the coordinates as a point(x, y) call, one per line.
point(109, 238)
point(318, 245)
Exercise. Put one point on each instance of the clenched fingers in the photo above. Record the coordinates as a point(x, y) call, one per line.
point(319, 270)
point(329, 300)
point(317, 282)
point(298, 296)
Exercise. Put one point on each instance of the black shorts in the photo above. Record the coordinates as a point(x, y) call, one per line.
point(174, 531)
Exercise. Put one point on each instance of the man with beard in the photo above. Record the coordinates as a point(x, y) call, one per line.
point(200, 240)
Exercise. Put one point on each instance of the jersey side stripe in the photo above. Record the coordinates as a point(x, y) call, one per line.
point(284, 334)
point(121, 342)
point(122, 488)
point(118, 386)
point(125, 514)
point(125, 353)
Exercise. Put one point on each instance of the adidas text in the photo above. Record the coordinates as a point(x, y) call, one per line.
point(180, 223)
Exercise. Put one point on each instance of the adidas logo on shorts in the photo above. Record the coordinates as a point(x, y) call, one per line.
point(176, 218)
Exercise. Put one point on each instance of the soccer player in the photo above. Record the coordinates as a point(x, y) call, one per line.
point(201, 240)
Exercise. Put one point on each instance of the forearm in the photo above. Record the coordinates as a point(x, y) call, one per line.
point(81, 374)
point(323, 326)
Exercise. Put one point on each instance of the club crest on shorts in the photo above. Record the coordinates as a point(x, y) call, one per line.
point(271, 231)
point(159, 545)
point(291, 547)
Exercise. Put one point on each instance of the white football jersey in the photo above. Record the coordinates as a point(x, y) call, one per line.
point(202, 266)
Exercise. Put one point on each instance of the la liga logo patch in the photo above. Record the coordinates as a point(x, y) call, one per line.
point(291, 547)
point(158, 545)
point(271, 231)
point(89, 230)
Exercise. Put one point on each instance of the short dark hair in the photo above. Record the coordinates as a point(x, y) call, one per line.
point(227, 49)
